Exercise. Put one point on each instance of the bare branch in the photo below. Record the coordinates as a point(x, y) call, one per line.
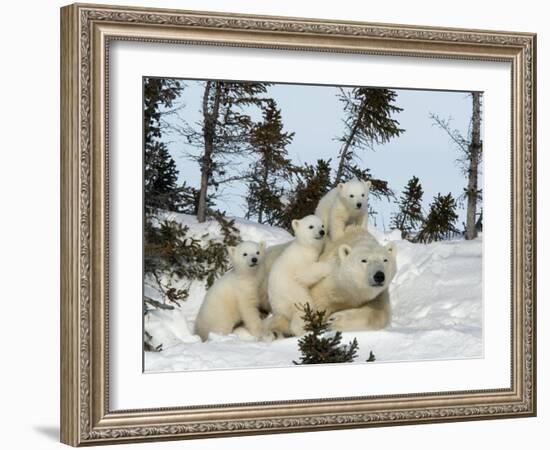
point(453, 134)
point(157, 304)
point(234, 178)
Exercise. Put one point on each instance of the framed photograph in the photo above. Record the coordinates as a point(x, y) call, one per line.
point(279, 224)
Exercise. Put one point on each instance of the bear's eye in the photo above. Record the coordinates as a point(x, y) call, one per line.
point(245, 254)
point(363, 260)
point(311, 227)
point(385, 259)
point(257, 253)
point(351, 196)
point(362, 195)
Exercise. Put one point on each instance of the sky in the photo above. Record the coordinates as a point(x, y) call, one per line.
point(315, 115)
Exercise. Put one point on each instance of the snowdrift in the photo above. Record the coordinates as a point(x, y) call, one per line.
point(436, 300)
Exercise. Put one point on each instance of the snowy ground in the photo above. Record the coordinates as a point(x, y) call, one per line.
point(436, 301)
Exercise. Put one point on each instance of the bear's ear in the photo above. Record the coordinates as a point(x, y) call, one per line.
point(231, 251)
point(391, 248)
point(343, 251)
point(295, 224)
point(367, 184)
point(340, 186)
point(261, 246)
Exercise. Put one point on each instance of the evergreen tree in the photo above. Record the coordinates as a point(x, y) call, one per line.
point(224, 132)
point(409, 215)
point(313, 181)
point(440, 223)
point(319, 348)
point(368, 121)
point(164, 244)
point(378, 188)
point(272, 167)
point(158, 93)
point(160, 173)
point(167, 249)
point(160, 179)
point(189, 199)
point(171, 250)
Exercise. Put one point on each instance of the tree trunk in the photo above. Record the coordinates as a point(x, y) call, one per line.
point(210, 119)
point(473, 157)
point(261, 208)
point(345, 149)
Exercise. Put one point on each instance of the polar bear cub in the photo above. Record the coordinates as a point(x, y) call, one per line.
point(233, 298)
point(346, 204)
point(293, 272)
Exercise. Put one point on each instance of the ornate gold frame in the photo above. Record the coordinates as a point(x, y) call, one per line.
point(86, 31)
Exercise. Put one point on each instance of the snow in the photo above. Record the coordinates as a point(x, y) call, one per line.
point(250, 231)
point(436, 301)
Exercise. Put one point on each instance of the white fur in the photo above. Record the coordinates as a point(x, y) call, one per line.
point(293, 273)
point(233, 298)
point(356, 293)
point(346, 204)
point(346, 293)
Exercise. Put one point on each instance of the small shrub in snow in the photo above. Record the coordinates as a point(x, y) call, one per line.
point(319, 346)
point(171, 252)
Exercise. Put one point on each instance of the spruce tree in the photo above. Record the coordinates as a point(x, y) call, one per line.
point(312, 182)
point(319, 348)
point(160, 173)
point(440, 223)
point(158, 93)
point(160, 179)
point(171, 249)
point(378, 188)
point(224, 131)
point(164, 241)
point(409, 215)
point(159, 169)
point(272, 167)
point(368, 120)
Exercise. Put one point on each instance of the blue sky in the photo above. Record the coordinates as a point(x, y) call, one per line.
point(315, 115)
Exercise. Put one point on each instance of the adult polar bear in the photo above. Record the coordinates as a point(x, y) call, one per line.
point(355, 293)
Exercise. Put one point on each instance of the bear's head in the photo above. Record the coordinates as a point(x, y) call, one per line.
point(367, 269)
point(246, 255)
point(309, 230)
point(354, 194)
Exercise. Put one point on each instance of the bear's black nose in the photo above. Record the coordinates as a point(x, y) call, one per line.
point(359, 205)
point(254, 260)
point(322, 232)
point(379, 277)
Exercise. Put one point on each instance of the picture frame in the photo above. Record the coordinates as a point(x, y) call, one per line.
point(87, 32)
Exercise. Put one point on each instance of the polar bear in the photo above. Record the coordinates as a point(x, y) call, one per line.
point(350, 293)
point(293, 272)
point(233, 298)
point(356, 295)
point(346, 204)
